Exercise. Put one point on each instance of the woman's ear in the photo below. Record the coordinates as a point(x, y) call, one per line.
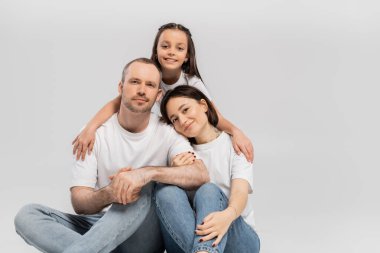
point(203, 104)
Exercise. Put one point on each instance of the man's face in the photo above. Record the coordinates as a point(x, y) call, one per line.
point(140, 88)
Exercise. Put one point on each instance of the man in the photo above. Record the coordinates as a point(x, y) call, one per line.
point(135, 140)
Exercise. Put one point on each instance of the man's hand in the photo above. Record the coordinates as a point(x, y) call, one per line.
point(126, 185)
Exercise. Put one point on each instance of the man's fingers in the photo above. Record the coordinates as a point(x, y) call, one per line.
point(125, 194)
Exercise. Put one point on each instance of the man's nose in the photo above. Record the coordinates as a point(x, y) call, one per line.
point(141, 89)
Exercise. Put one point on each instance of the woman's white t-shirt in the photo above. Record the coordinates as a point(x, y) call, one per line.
point(223, 165)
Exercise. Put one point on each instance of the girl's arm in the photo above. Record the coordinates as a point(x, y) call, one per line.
point(86, 138)
point(216, 224)
point(240, 141)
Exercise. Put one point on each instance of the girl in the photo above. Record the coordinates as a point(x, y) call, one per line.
point(228, 221)
point(174, 53)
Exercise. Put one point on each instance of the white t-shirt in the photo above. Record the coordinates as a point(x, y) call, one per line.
point(223, 165)
point(116, 148)
point(184, 79)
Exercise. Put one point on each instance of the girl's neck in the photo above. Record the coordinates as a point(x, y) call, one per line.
point(171, 76)
point(208, 134)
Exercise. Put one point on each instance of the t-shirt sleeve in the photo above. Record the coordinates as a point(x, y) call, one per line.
point(197, 83)
point(179, 144)
point(85, 173)
point(242, 169)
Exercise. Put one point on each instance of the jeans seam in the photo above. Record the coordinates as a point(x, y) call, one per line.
point(168, 227)
point(121, 230)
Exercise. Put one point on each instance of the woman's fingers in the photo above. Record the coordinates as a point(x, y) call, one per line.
point(208, 237)
point(217, 241)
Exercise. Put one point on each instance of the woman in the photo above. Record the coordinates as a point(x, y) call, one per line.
point(214, 223)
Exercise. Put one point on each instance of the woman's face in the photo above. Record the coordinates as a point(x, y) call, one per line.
point(172, 49)
point(187, 115)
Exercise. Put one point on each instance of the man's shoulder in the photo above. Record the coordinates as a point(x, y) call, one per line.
point(108, 126)
point(164, 127)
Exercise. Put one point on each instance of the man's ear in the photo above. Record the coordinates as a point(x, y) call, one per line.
point(159, 95)
point(120, 88)
point(203, 104)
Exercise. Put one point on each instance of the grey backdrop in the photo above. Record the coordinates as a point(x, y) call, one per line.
point(298, 77)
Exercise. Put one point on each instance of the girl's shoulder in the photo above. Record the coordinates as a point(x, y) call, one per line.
point(197, 83)
point(192, 80)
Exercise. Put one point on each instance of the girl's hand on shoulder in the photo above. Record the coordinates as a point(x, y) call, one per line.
point(84, 143)
point(185, 158)
point(215, 224)
point(242, 144)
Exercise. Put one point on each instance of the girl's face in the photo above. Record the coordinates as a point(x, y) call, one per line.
point(187, 115)
point(172, 49)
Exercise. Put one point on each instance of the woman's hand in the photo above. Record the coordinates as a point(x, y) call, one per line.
point(216, 224)
point(84, 143)
point(242, 144)
point(185, 158)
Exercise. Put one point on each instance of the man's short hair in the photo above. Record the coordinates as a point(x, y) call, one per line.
point(142, 60)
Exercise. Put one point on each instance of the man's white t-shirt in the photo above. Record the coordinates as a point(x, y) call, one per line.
point(223, 165)
point(116, 148)
point(184, 79)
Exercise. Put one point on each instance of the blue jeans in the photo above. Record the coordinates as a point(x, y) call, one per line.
point(178, 219)
point(130, 228)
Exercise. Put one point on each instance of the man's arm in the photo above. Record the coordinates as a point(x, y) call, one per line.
point(188, 177)
point(129, 183)
point(86, 200)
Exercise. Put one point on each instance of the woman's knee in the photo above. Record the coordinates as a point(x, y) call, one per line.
point(163, 192)
point(209, 191)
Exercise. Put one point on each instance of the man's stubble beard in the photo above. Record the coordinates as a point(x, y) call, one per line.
point(132, 108)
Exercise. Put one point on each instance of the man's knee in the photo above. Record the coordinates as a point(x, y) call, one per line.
point(25, 216)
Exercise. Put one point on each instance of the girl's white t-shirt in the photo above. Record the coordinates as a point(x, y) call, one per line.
point(184, 79)
point(223, 165)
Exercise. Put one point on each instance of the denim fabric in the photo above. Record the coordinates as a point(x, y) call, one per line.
point(129, 226)
point(178, 219)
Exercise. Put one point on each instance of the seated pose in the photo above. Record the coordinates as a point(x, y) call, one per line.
point(114, 204)
point(220, 219)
